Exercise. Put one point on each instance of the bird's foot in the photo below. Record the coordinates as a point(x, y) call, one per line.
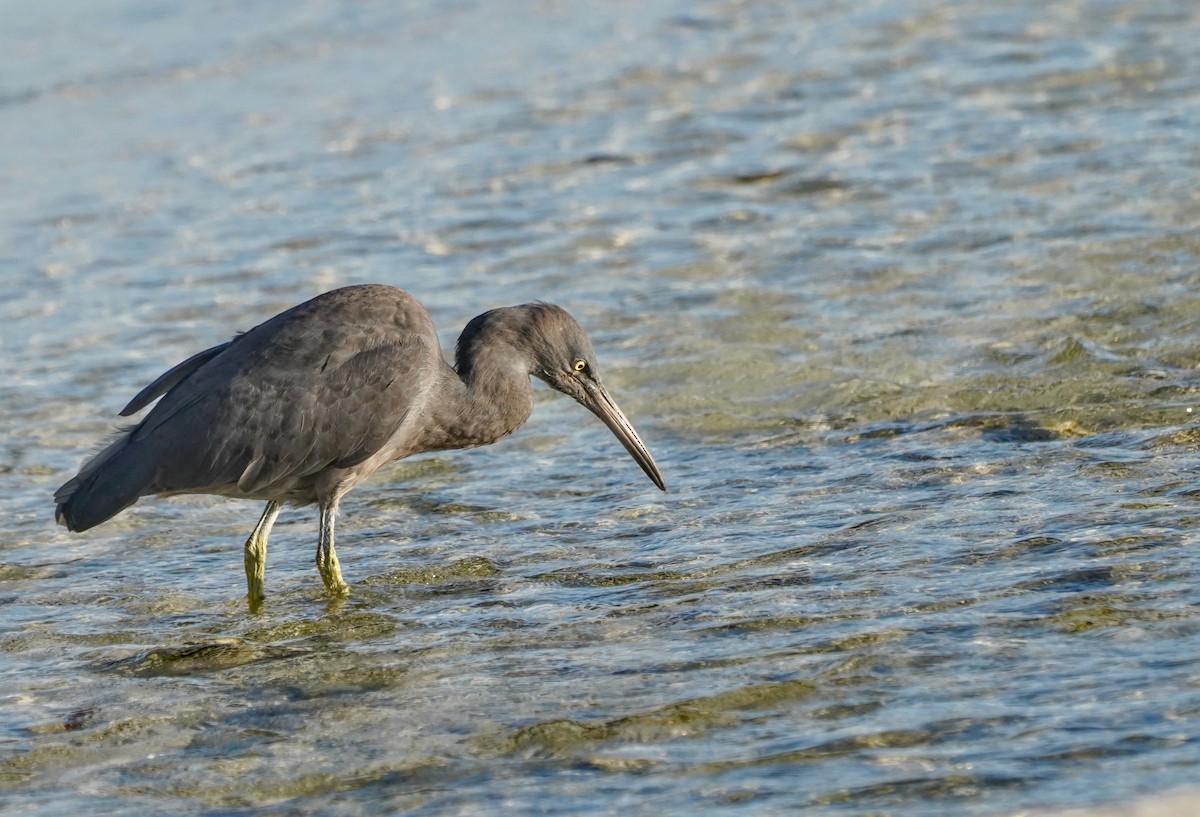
point(254, 587)
point(335, 586)
point(331, 574)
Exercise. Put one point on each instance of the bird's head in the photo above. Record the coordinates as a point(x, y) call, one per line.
point(559, 353)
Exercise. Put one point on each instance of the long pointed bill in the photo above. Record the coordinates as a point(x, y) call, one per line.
point(601, 404)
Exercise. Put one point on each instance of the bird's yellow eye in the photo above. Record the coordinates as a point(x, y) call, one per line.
point(580, 365)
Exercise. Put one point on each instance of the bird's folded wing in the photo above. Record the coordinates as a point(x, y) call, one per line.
point(344, 416)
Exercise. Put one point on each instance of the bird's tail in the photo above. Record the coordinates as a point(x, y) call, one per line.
point(107, 484)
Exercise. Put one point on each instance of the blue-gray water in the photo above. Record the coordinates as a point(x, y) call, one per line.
point(902, 295)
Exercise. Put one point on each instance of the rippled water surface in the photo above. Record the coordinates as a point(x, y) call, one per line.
point(902, 295)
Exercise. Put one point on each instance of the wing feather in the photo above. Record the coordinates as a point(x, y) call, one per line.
point(166, 381)
point(323, 385)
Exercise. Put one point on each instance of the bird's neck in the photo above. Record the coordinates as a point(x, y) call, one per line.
point(490, 399)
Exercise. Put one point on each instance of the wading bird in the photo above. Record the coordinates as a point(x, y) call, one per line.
point(302, 408)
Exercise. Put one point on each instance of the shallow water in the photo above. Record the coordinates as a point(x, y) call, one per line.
point(901, 295)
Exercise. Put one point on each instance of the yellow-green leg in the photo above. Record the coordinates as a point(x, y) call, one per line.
point(327, 560)
point(256, 553)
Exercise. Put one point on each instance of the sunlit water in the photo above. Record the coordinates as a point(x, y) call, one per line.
point(902, 295)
